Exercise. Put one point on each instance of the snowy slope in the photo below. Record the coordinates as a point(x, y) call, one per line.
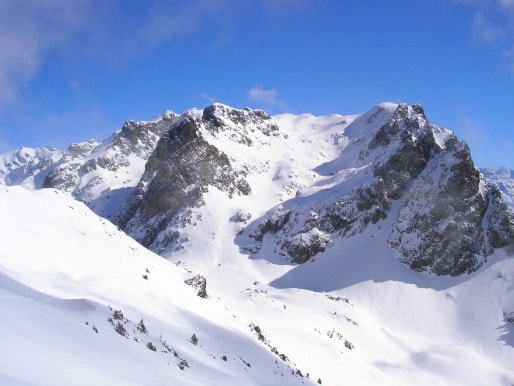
point(364, 319)
point(59, 290)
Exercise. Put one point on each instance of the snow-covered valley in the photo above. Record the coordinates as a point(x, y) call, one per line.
point(288, 298)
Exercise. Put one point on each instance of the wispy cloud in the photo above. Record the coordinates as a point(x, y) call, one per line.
point(210, 99)
point(260, 95)
point(33, 32)
point(493, 24)
point(28, 32)
point(485, 29)
point(268, 99)
point(507, 4)
point(163, 22)
point(473, 131)
point(484, 148)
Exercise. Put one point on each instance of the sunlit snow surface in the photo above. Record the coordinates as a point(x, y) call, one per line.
point(351, 315)
point(62, 266)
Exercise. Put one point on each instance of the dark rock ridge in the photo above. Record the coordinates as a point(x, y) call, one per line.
point(182, 168)
point(450, 219)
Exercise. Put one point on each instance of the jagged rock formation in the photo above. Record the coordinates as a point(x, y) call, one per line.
point(199, 283)
point(183, 167)
point(446, 219)
point(449, 220)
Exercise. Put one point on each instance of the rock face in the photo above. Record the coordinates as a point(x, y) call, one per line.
point(448, 218)
point(199, 283)
point(393, 166)
point(182, 168)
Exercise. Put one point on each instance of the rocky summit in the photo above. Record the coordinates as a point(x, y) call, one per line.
point(390, 163)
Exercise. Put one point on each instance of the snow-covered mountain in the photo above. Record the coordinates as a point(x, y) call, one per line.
point(503, 178)
point(102, 175)
point(24, 166)
point(326, 179)
point(297, 249)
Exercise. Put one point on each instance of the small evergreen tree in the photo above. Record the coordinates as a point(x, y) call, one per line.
point(141, 327)
point(120, 329)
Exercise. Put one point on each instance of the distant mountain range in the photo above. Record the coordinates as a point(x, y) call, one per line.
point(365, 248)
point(503, 178)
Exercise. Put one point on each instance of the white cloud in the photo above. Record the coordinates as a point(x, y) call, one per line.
point(33, 31)
point(507, 4)
point(267, 99)
point(260, 95)
point(210, 99)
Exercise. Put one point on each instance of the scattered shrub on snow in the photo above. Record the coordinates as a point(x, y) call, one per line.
point(141, 327)
point(348, 345)
point(194, 339)
point(120, 329)
point(199, 283)
point(118, 315)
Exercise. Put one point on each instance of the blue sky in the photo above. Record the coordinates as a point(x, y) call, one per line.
point(74, 70)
